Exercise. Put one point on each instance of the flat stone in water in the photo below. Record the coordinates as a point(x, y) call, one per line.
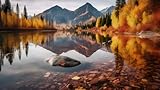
point(63, 61)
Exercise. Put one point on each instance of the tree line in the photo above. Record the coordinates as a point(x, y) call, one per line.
point(106, 20)
point(14, 19)
point(100, 21)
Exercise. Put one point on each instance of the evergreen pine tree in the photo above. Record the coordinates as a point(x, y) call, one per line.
point(25, 12)
point(0, 13)
point(17, 10)
point(0, 5)
point(108, 19)
point(103, 21)
point(7, 6)
point(117, 7)
point(123, 2)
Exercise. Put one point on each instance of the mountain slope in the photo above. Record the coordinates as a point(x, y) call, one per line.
point(87, 8)
point(84, 14)
point(58, 15)
point(108, 10)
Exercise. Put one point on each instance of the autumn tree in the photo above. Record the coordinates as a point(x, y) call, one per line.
point(98, 22)
point(25, 12)
point(11, 19)
point(6, 7)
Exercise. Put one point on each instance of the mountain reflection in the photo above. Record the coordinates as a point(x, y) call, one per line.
point(65, 41)
point(142, 54)
point(14, 44)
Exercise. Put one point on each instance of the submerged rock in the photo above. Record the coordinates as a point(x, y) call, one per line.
point(63, 61)
point(47, 74)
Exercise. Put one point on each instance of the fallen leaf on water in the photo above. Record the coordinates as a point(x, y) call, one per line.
point(76, 78)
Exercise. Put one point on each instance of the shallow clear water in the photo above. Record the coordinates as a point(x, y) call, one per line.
point(23, 55)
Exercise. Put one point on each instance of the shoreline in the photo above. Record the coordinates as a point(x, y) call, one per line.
point(25, 29)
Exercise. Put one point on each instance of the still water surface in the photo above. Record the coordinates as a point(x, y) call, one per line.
point(23, 55)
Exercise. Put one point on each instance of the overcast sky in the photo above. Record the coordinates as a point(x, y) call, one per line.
point(38, 6)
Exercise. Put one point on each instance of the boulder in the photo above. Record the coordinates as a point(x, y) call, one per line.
point(63, 61)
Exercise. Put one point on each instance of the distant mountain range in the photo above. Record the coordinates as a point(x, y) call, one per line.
point(83, 15)
point(108, 10)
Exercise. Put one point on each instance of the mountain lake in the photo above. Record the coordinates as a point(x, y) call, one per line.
point(24, 55)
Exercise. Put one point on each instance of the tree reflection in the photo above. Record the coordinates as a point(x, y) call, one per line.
point(102, 38)
point(142, 54)
point(19, 52)
point(26, 48)
point(11, 44)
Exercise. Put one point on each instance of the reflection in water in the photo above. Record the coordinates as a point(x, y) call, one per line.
point(102, 38)
point(57, 42)
point(26, 53)
point(141, 54)
point(65, 41)
point(16, 42)
point(63, 61)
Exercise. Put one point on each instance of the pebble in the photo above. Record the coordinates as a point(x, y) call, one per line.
point(144, 81)
point(94, 72)
point(76, 78)
point(80, 88)
point(116, 81)
point(69, 86)
point(127, 88)
point(90, 79)
point(94, 81)
point(91, 75)
point(110, 70)
point(47, 74)
point(102, 77)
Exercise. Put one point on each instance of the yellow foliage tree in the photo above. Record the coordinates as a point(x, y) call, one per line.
point(134, 14)
point(11, 20)
point(98, 22)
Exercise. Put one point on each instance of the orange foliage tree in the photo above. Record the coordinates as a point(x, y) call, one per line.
point(137, 15)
